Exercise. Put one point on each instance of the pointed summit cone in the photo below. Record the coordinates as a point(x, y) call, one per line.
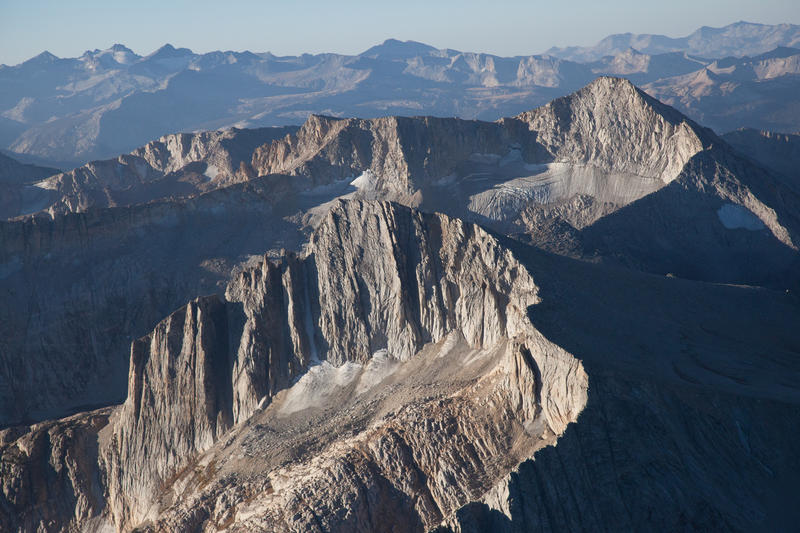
point(613, 125)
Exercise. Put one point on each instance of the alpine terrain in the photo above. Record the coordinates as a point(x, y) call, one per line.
point(582, 316)
point(65, 112)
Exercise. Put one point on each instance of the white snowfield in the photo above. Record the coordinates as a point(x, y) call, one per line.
point(735, 216)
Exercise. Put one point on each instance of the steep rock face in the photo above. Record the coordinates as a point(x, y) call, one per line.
point(689, 421)
point(743, 223)
point(613, 125)
point(404, 154)
point(224, 150)
point(609, 141)
point(376, 277)
point(402, 465)
point(687, 380)
point(569, 177)
point(78, 288)
point(610, 124)
point(572, 176)
point(645, 454)
point(178, 402)
point(49, 474)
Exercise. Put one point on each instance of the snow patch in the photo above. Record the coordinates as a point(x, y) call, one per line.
point(366, 181)
point(49, 184)
point(211, 172)
point(379, 368)
point(318, 386)
point(513, 156)
point(735, 216)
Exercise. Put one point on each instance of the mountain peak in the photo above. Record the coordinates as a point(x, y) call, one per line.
point(44, 57)
point(610, 124)
point(395, 48)
point(170, 51)
point(117, 47)
point(611, 83)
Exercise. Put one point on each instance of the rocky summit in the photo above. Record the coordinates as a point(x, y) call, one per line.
point(579, 317)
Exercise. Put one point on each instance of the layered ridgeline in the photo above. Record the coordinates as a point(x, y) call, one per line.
point(108, 102)
point(421, 384)
point(607, 174)
point(174, 166)
point(731, 93)
point(737, 39)
point(397, 375)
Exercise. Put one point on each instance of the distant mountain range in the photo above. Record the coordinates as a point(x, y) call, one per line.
point(737, 39)
point(65, 112)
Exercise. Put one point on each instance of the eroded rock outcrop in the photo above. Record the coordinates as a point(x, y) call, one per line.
point(376, 277)
point(78, 288)
point(404, 334)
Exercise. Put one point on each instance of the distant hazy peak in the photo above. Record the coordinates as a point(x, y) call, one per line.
point(397, 48)
point(737, 39)
point(170, 51)
point(44, 57)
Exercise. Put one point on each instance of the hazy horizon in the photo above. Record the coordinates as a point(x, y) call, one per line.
point(511, 28)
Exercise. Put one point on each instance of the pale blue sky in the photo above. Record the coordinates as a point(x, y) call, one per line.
point(68, 28)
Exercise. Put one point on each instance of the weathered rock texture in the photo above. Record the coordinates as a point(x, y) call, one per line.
point(49, 474)
point(376, 277)
point(440, 297)
point(389, 374)
point(77, 289)
point(237, 420)
point(563, 174)
point(689, 421)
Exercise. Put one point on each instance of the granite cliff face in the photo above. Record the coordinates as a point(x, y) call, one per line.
point(609, 124)
point(382, 291)
point(427, 417)
point(78, 288)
